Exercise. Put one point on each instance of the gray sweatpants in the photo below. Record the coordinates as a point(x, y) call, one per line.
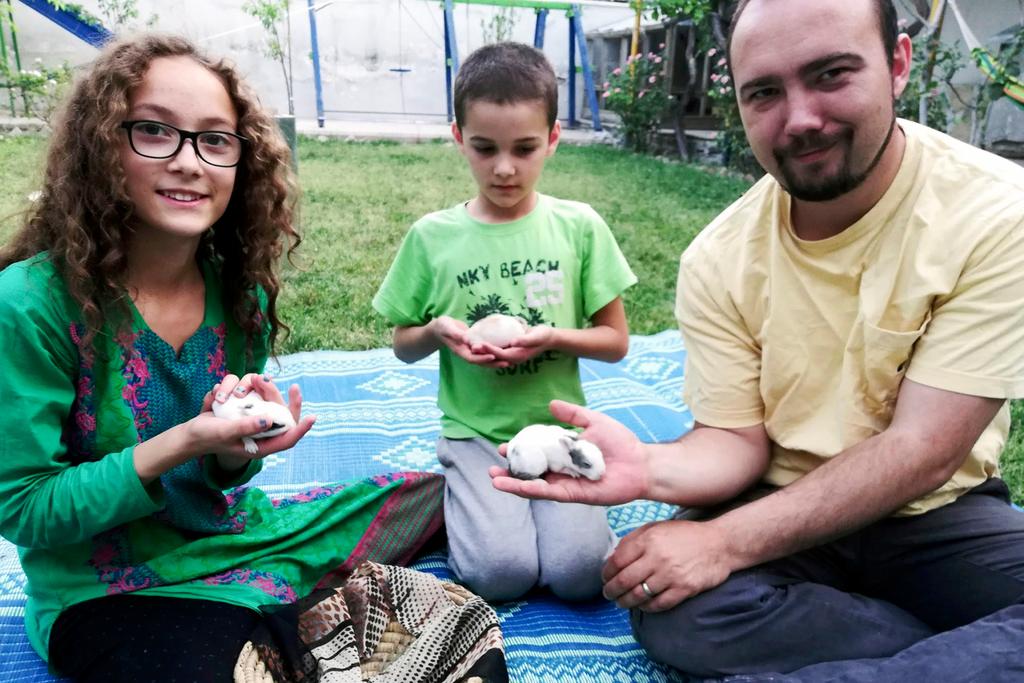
point(501, 545)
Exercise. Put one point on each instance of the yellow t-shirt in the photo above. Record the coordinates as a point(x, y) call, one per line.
point(812, 338)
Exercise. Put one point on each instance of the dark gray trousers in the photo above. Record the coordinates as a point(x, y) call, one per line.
point(938, 598)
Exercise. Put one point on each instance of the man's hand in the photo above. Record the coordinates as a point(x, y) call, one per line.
point(626, 464)
point(675, 559)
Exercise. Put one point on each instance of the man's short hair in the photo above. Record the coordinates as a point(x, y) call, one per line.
point(887, 26)
point(506, 73)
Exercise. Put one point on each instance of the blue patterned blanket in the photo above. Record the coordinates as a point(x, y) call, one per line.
point(376, 414)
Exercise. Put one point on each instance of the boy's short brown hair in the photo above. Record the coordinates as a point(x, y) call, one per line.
point(506, 73)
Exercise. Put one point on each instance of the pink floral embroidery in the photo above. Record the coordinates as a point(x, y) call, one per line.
point(233, 523)
point(232, 497)
point(268, 583)
point(136, 374)
point(138, 368)
point(83, 411)
point(308, 496)
point(85, 422)
point(128, 582)
point(104, 554)
point(110, 562)
point(387, 478)
point(217, 366)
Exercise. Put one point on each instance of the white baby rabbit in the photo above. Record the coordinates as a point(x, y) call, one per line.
point(251, 405)
point(537, 449)
point(497, 329)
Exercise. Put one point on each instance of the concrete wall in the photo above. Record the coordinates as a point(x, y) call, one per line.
point(360, 41)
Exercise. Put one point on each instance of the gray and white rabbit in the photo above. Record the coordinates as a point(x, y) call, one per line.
point(537, 449)
point(251, 405)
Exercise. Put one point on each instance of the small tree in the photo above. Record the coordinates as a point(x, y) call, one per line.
point(120, 14)
point(636, 92)
point(501, 26)
point(41, 87)
point(732, 138)
point(697, 10)
point(275, 17)
point(930, 87)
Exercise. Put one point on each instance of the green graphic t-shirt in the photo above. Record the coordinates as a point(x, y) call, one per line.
point(556, 266)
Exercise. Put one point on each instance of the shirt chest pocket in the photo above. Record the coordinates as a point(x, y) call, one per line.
point(884, 361)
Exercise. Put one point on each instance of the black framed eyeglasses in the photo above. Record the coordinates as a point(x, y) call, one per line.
point(157, 140)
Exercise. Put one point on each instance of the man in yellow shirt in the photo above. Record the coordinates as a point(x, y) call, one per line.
point(854, 327)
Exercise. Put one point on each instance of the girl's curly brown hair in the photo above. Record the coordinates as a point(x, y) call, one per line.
point(84, 217)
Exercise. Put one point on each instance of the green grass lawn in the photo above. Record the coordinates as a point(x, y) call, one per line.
point(359, 200)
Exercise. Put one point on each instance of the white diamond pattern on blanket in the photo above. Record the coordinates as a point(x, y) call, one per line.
point(414, 454)
point(393, 384)
point(12, 585)
point(272, 460)
point(623, 518)
point(652, 368)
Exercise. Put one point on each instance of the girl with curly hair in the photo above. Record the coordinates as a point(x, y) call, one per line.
point(141, 289)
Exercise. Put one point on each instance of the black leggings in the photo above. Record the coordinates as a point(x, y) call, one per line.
point(134, 638)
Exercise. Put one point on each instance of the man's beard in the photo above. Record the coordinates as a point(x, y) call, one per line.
point(830, 187)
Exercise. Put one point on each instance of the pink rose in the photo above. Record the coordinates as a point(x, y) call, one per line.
point(86, 422)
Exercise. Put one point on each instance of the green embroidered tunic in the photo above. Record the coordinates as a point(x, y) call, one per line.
point(69, 494)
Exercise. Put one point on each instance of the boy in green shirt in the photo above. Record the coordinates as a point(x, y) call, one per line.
point(513, 251)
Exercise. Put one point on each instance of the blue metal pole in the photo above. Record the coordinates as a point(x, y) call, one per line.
point(538, 32)
point(572, 66)
point(94, 34)
point(316, 65)
point(451, 51)
point(588, 74)
point(450, 56)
